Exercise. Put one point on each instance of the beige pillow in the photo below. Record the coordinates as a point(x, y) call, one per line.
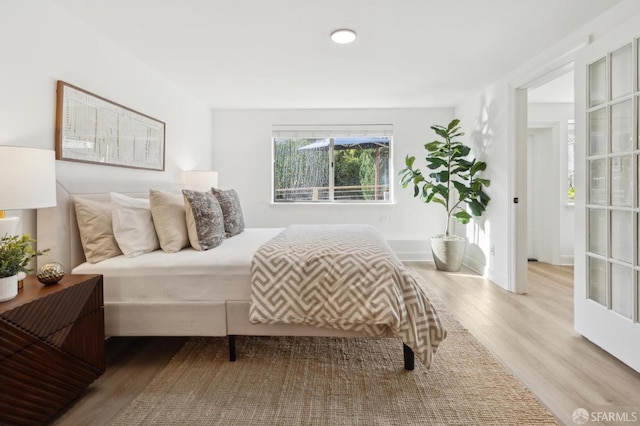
point(169, 220)
point(133, 225)
point(96, 231)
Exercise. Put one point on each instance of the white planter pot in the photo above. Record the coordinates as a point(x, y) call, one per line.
point(448, 252)
point(8, 288)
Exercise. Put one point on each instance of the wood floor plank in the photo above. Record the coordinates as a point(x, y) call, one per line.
point(531, 334)
point(132, 362)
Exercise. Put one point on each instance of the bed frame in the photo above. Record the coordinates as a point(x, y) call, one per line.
point(57, 230)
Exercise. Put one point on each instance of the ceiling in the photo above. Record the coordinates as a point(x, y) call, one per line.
point(277, 53)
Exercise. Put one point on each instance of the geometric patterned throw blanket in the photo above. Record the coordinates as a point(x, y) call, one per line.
point(344, 277)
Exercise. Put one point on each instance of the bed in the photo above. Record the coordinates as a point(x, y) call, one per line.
point(196, 293)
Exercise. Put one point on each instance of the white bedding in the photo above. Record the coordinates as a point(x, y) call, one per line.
point(152, 276)
point(157, 294)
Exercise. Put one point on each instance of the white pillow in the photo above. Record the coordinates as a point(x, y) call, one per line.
point(133, 225)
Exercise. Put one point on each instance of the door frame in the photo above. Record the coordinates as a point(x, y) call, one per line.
point(517, 171)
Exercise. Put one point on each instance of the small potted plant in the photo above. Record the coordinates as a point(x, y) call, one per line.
point(15, 254)
point(452, 181)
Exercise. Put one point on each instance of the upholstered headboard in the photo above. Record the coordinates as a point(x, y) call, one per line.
point(57, 229)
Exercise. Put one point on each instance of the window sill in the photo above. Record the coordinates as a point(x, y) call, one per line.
point(335, 203)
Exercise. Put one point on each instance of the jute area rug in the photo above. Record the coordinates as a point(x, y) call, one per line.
point(334, 381)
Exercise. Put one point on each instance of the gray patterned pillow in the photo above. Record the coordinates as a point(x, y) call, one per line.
point(205, 223)
point(231, 209)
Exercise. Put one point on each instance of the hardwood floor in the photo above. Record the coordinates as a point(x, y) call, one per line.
point(132, 362)
point(531, 334)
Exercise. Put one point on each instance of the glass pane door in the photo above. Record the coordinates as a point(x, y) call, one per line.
point(612, 208)
point(607, 159)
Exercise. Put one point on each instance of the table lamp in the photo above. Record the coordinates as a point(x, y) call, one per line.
point(27, 181)
point(200, 180)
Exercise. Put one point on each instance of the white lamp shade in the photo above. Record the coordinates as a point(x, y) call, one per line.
point(200, 180)
point(27, 178)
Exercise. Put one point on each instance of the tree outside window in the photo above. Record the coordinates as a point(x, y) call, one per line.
point(333, 169)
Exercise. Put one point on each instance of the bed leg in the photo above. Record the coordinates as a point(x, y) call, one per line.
point(409, 357)
point(232, 348)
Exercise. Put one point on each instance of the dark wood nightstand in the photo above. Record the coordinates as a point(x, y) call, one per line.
point(51, 347)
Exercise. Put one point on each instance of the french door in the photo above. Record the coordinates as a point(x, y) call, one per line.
point(607, 257)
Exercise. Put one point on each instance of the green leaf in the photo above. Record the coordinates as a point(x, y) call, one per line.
point(465, 163)
point(461, 187)
point(476, 186)
point(432, 146)
point(462, 216)
point(441, 176)
point(453, 123)
point(441, 131)
point(416, 190)
point(409, 161)
point(478, 167)
point(464, 150)
point(436, 163)
point(485, 182)
point(15, 254)
point(442, 190)
point(417, 178)
point(476, 207)
point(439, 201)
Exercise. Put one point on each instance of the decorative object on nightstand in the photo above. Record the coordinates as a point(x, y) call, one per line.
point(50, 273)
point(15, 254)
point(199, 180)
point(27, 181)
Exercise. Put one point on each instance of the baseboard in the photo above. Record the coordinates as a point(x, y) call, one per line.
point(411, 250)
point(474, 265)
point(566, 259)
point(419, 251)
point(414, 256)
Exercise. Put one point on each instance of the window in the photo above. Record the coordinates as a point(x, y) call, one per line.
point(331, 163)
point(571, 168)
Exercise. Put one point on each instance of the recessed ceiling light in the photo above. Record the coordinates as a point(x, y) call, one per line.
point(343, 36)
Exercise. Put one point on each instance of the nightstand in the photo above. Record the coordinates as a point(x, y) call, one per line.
point(51, 347)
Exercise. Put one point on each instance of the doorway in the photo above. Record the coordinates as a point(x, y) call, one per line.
point(538, 81)
point(550, 222)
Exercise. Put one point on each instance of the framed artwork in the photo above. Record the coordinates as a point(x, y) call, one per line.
point(92, 129)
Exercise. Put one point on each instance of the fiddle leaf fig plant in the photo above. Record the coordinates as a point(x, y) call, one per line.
point(451, 179)
point(15, 254)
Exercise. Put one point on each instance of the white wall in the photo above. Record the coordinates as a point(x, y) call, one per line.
point(486, 126)
point(41, 43)
point(488, 115)
point(550, 162)
point(242, 156)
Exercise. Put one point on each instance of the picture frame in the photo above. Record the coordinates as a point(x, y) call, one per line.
point(93, 129)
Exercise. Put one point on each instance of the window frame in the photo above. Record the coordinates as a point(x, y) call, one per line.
point(332, 132)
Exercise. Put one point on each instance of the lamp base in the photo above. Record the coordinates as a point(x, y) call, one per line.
point(8, 225)
point(21, 277)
